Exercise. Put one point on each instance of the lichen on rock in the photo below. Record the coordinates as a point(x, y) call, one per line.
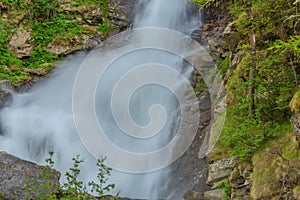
point(20, 179)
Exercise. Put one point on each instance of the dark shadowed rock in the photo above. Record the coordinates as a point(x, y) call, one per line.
point(19, 177)
point(232, 37)
point(6, 93)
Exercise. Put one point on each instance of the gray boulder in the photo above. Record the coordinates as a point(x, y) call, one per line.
point(214, 194)
point(20, 179)
point(220, 170)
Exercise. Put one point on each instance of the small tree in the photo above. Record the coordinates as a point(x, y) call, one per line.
point(73, 185)
point(103, 173)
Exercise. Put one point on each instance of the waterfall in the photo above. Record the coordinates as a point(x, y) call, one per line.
point(41, 120)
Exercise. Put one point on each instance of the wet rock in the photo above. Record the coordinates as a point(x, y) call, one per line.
point(76, 44)
point(59, 49)
point(38, 71)
point(193, 195)
point(197, 35)
point(214, 194)
point(6, 93)
point(122, 9)
point(220, 169)
point(20, 43)
point(5, 98)
point(19, 177)
point(205, 102)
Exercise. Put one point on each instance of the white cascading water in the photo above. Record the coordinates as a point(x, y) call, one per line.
point(41, 120)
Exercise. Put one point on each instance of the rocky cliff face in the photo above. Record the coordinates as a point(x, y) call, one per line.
point(274, 171)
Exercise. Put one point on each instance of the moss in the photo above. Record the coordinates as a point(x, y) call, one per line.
point(49, 25)
point(216, 130)
point(265, 183)
point(271, 164)
point(296, 192)
point(236, 83)
point(218, 153)
point(295, 102)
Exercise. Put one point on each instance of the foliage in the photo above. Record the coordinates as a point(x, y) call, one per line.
point(104, 28)
point(223, 64)
point(42, 9)
point(14, 3)
point(47, 31)
point(7, 59)
point(103, 172)
point(48, 25)
point(291, 46)
point(73, 188)
point(244, 136)
point(76, 188)
point(73, 185)
point(225, 185)
point(275, 59)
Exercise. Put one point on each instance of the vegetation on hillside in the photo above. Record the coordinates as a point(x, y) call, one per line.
point(259, 89)
point(262, 93)
point(263, 83)
point(48, 22)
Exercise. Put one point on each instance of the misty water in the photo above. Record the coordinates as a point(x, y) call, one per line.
point(41, 120)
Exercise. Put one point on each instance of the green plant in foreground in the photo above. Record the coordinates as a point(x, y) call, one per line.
point(78, 189)
point(73, 188)
point(73, 185)
point(103, 172)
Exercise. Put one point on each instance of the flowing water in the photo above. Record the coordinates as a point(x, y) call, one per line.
point(41, 119)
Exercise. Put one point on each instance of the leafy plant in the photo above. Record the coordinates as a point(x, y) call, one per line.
point(103, 172)
point(43, 9)
point(73, 185)
point(104, 28)
point(73, 188)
